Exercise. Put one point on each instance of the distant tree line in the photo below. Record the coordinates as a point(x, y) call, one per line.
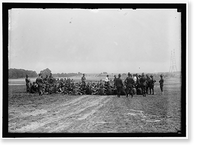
point(21, 73)
point(47, 71)
point(66, 74)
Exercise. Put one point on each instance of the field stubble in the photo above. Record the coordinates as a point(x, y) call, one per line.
point(91, 113)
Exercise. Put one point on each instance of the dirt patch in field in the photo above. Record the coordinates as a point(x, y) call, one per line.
point(91, 113)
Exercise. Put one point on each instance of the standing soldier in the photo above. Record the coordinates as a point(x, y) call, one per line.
point(152, 81)
point(83, 79)
point(83, 84)
point(114, 81)
point(39, 82)
point(129, 85)
point(161, 83)
point(134, 84)
point(101, 88)
point(28, 84)
point(147, 84)
point(107, 80)
point(135, 78)
point(119, 85)
point(107, 85)
point(138, 85)
point(143, 84)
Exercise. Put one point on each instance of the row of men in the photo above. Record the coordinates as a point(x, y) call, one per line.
point(139, 83)
point(131, 85)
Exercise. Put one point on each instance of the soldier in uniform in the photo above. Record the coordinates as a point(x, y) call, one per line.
point(134, 84)
point(114, 80)
point(88, 89)
point(83, 80)
point(51, 79)
point(129, 82)
point(161, 83)
point(39, 82)
point(138, 85)
point(143, 84)
point(119, 85)
point(101, 88)
point(28, 84)
point(152, 81)
point(107, 80)
point(34, 88)
point(147, 84)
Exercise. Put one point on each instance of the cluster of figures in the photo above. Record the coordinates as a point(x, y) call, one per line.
point(132, 85)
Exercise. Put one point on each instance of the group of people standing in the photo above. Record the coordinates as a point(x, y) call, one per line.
point(136, 85)
point(132, 85)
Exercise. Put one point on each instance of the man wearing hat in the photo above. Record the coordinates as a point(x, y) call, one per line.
point(161, 83)
point(28, 84)
point(119, 85)
point(39, 82)
point(143, 83)
point(83, 79)
point(152, 81)
point(129, 82)
point(148, 84)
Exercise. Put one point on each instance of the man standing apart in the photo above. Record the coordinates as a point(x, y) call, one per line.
point(129, 85)
point(143, 83)
point(83, 79)
point(28, 84)
point(161, 83)
point(152, 81)
point(119, 85)
point(83, 85)
point(39, 82)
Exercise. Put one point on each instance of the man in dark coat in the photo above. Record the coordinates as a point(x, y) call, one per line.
point(83, 80)
point(143, 84)
point(119, 85)
point(39, 82)
point(161, 83)
point(129, 82)
point(147, 84)
point(34, 88)
point(114, 79)
point(152, 81)
point(28, 84)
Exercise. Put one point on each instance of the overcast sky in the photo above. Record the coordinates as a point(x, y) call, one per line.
point(89, 41)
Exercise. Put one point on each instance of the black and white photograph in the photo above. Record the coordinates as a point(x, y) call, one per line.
point(94, 70)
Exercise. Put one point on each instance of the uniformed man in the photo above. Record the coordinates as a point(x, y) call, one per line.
point(152, 81)
point(51, 79)
point(119, 85)
point(138, 85)
point(28, 84)
point(88, 89)
point(34, 88)
point(143, 84)
point(101, 88)
point(114, 80)
point(147, 84)
point(83, 80)
point(107, 80)
point(39, 82)
point(129, 85)
point(161, 83)
point(135, 79)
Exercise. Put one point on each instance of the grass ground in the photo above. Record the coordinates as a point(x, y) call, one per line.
point(91, 113)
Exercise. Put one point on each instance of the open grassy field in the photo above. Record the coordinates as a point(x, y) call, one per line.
point(92, 113)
